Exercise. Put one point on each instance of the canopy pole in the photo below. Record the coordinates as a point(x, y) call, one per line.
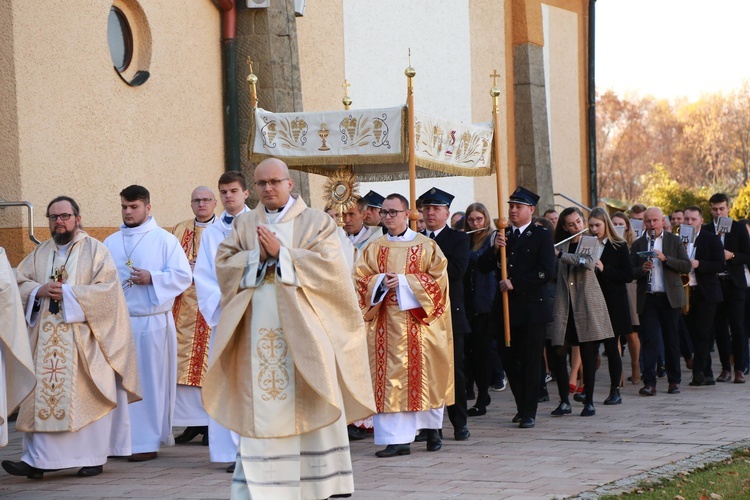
point(413, 214)
point(502, 223)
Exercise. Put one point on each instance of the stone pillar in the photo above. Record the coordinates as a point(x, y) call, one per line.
point(269, 38)
point(533, 161)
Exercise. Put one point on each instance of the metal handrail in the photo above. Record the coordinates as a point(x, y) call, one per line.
point(27, 204)
point(588, 209)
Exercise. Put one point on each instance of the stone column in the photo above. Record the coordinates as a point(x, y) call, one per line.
point(269, 38)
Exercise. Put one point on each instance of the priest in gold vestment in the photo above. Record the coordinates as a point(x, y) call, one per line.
point(17, 378)
point(83, 350)
point(193, 332)
point(288, 366)
point(402, 285)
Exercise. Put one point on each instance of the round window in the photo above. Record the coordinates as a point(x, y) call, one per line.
point(120, 39)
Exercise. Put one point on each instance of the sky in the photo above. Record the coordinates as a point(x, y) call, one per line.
point(672, 48)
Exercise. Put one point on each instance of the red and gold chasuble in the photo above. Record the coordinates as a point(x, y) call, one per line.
point(193, 333)
point(411, 352)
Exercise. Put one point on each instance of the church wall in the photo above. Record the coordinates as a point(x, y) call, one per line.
point(81, 131)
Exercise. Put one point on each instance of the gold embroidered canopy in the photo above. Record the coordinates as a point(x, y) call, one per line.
point(373, 142)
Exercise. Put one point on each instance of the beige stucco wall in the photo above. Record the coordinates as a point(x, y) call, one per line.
point(455, 46)
point(81, 131)
point(565, 106)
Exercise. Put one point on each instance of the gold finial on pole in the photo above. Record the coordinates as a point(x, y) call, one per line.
point(502, 223)
point(252, 80)
point(346, 100)
point(410, 73)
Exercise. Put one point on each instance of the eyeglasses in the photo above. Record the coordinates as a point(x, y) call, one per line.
point(54, 217)
point(390, 213)
point(272, 182)
point(198, 201)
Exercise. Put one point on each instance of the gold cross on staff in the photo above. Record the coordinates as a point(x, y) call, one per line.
point(495, 75)
point(250, 64)
point(346, 86)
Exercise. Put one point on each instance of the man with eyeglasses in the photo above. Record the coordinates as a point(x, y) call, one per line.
point(153, 271)
point(193, 333)
point(83, 352)
point(233, 191)
point(402, 285)
point(288, 365)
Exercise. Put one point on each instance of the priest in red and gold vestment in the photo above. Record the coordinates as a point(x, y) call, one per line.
point(193, 333)
point(402, 285)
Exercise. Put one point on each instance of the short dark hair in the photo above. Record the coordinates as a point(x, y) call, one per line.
point(396, 196)
point(73, 204)
point(683, 211)
point(135, 193)
point(233, 176)
point(694, 208)
point(419, 204)
point(719, 198)
point(638, 208)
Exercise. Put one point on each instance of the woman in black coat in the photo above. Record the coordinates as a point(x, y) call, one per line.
point(614, 271)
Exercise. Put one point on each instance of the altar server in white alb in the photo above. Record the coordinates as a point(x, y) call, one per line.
point(153, 270)
point(84, 357)
point(17, 378)
point(233, 192)
point(288, 367)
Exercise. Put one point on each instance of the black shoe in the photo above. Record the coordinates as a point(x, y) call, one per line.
point(580, 397)
point(434, 443)
point(647, 390)
point(614, 397)
point(230, 467)
point(526, 423)
point(91, 471)
point(422, 436)
point(698, 380)
point(470, 396)
point(22, 469)
point(661, 372)
point(477, 411)
point(204, 441)
point(710, 381)
point(543, 398)
point(516, 418)
point(191, 433)
point(355, 433)
point(588, 411)
point(461, 433)
point(562, 409)
point(393, 450)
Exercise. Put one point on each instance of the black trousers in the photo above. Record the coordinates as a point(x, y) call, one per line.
point(522, 363)
point(480, 355)
point(730, 315)
point(659, 314)
point(700, 321)
point(457, 412)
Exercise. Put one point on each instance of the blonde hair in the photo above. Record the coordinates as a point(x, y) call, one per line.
point(629, 234)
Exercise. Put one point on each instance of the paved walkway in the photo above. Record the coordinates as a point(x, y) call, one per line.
point(561, 457)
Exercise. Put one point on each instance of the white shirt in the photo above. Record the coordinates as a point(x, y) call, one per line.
point(657, 273)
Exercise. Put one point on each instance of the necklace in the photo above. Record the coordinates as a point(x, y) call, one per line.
point(129, 262)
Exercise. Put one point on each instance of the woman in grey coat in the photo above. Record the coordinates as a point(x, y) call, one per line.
point(580, 311)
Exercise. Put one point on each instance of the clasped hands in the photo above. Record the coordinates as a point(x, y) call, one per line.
point(390, 280)
point(52, 289)
point(269, 244)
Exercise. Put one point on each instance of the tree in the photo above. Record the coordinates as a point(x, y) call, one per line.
point(741, 204)
point(666, 193)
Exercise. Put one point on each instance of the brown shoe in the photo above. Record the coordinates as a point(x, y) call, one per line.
point(647, 390)
point(673, 389)
point(726, 376)
point(739, 377)
point(143, 457)
point(689, 364)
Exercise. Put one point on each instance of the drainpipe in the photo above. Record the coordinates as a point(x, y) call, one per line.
point(593, 191)
point(228, 10)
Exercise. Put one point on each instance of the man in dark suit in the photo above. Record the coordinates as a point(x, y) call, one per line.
point(660, 297)
point(706, 260)
point(531, 264)
point(455, 246)
point(730, 314)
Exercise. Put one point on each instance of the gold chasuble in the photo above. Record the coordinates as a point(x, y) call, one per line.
point(75, 362)
point(193, 333)
point(411, 352)
point(289, 355)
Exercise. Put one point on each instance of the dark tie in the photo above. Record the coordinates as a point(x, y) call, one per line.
point(516, 233)
point(228, 219)
point(432, 235)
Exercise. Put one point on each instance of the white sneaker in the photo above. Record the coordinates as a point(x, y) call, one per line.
point(548, 379)
point(499, 388)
